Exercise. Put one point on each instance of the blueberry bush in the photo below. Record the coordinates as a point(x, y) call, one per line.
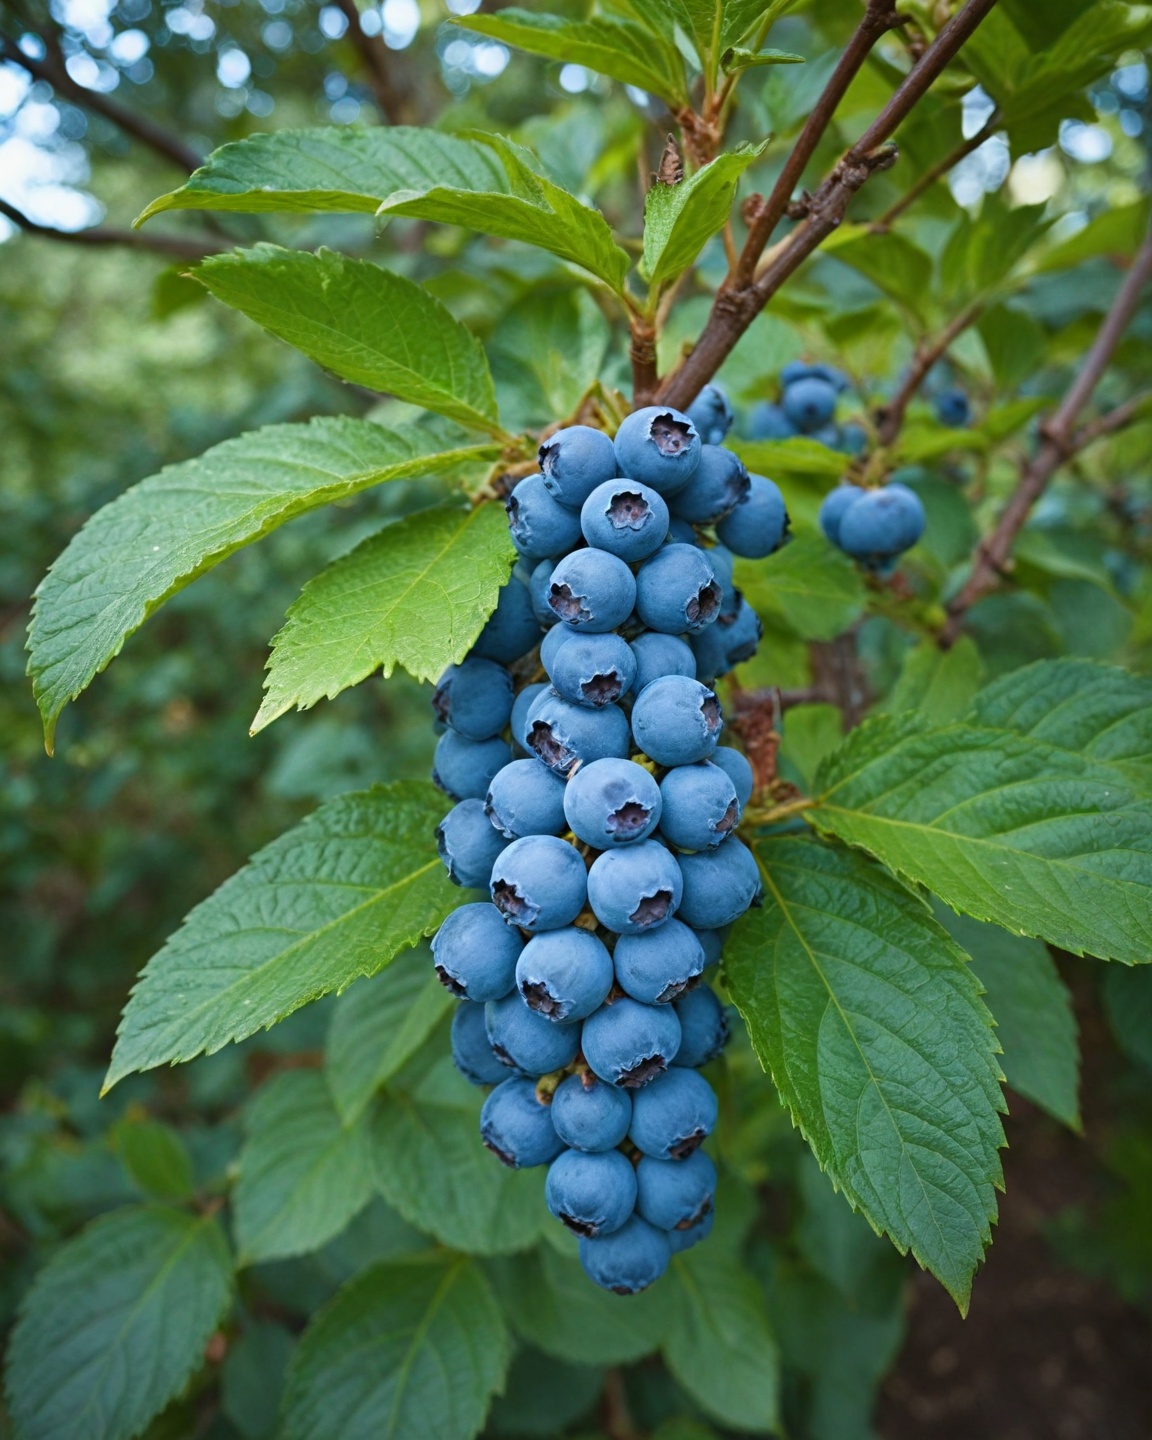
point(758, 478)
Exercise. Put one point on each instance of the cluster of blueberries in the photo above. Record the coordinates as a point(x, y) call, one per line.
point(807, 406)
point(875, 527)
point(606, 846)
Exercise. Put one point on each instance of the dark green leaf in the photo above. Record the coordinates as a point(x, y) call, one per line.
point(791, 457)
point(1128, 1004)
point(893, 263)
point(680, 219)
point(815, 589)
point(155, 1158)
point(546, 353)
point(938, 684)
point(1117, 230)
point(252, 1378)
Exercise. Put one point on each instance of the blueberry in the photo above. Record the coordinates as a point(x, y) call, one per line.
point(474, 698)
point(558, 635)
point(835, 507)
point(564, 974)
point(591, 590)
point(591, 1194)
point(836, 378)
point(593, 670)
point(681, 533)
point(658, 655)
point(952, 409)
point(468, 845)
point(853, 438)
point(658, 446)
point(882, 524)
point(464, 768)
point(512, 629)
point(523, 704)
point(711, 413)
point(738, 770)
point(672, 1115)
point(681, 1240)
point(626, 518)
point(703, 1027)
point(809, 403)
point(658, 967)
point(539, 525)
point(589, 1114)
point(539, 883)
point(720, 483)
point(728, 643)
point(526, 1041)
point(795, 370)
point(634, 888)
point(676, 721)
point(675, 1194)
point(700, 808)
point(630, 1044)
point(719, 885)
point(677, 590)
point(628, 1260)
point(516, 1127)
point(471, 1049)
point(769, 422)
point(563, 735)
point(828, 436)
point(758, 526)
point(476, 953)
point(526, 798)
point(574, 461)
point(723, 563)
point(538, 593)
point(612, 802)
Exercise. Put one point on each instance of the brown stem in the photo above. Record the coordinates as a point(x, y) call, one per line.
point(1060, 442)
point(1116, 419)
point(643, 354)
point(736, 306)
point(938, 171)
point(390, 95)
point(890, 419)
point(616, 1412)
point(177, 247)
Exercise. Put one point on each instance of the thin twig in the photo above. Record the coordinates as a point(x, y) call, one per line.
point(1060, 442)
point(890, 419)
point(736, 306)
point(177, 247)
point(390, 94)
point(938, 171)
point(643, 356)
point(1116, 419)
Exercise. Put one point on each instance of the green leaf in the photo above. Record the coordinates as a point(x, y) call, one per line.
point(938, 684)
point(719, 1344)
point(408, 1351)
point(616, 48)
point(303, 1174)
point(870, 1021)
point(417, 594)
point(810, 733)
point(378, 1025)
point(155, 1158)
point(1118, 230)
point(680, 219)
point(331, 900)
point(432, 1168)
point(893, 263)
point(1033, 1013)
point(739, 17)
point(252, 1378)
point(737, 59)
point(800, 456)
point(1128, 1004)
point(364, 324)
point(815, 589)
point(161, 534)
point(1002, 827)
point(547, 352)
point(115, 1324)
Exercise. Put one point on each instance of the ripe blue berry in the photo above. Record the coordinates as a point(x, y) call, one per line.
point(464, 768)
point(539, 883)
point(538, 593)
point(681, 533)
point(563, 735)
point(630, 1044)
point(711, 413)
point(591, 1193)
point(677, 590)
point(700, 808)
point(658, 655)
point(769, 422)
point(728, 643)
point(676, 721)
point(952, 409)
point(516, 1127)
point(723, 562)
point(474, 698)
point(590, 1114)
point(612, 802)
point(512, 629)
point(523, 704)
point(634, 888)
point(626, 518)
point(526, 1041)
point(809, 403)
point(758, 526)
point(796, 370)
point(591, 590)
point(720, 484)
point(703, 1027)
point(672, 1115)
point(828, 436)
point(658, 446)
point(681, 1240)
point(471, 1050)
point(835, 506)
point(468, 845)
point(539, 525)
point(675, 1194)
point(738, 771)
point(719, 885)
point(853, 438)
point(882, 524)
point(564, 974)
point(558, 635)
point(574, 461)
point(526, 798)
point(660, 966)
point(628, 1260)
point(593, 670)
point(476, 953)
